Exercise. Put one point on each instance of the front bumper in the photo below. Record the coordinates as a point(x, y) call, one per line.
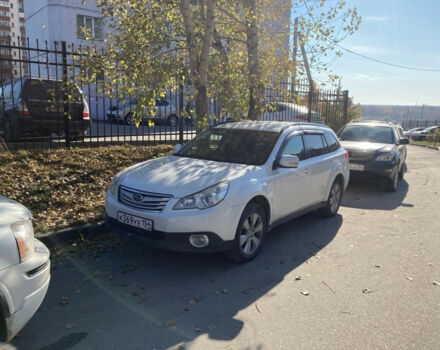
point(25, 286)
point(374, 170)
point(172, 228)
point(177, 241)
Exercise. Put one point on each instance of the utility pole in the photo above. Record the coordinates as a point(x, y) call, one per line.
point(306, 61)
point(423, 108)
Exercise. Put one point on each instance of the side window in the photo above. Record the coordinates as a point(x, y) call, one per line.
point(332, 142)
point(295, 147)
point(315, 145)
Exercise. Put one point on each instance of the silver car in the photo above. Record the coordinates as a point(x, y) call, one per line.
point(166, 112)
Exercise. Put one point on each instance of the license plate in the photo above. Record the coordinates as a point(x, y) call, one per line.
point(135, 221)
point(357, 167)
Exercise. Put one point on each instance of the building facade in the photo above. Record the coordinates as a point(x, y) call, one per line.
point(12, 37)
point(63, 20)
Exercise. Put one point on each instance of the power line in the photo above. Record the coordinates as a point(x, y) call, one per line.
point(387, 63)
point(371, 58)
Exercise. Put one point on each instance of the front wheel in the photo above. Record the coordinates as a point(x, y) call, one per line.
point(392, 183)
point(250, 234)
point(333, 201)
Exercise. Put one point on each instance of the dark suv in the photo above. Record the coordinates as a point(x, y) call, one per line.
point(35, 108)
point(376, 150)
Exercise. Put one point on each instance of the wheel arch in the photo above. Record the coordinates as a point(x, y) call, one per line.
point(263, 202)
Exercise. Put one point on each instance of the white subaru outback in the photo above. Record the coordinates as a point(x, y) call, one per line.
point(228, 187)
point(24, 269)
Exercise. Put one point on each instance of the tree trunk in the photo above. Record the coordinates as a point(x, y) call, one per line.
point(199, 62)
point(256, 86)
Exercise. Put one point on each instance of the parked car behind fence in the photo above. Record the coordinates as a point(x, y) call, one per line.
point(34, 108)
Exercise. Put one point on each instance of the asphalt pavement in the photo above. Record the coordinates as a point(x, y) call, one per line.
point(364, 279)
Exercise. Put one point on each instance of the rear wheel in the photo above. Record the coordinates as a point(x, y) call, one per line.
point(333, 201)
point(173, 120)
point(129, 119)
point(402, 172)
point(250, 234)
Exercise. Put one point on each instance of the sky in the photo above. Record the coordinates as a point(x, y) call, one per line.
point(403, 32)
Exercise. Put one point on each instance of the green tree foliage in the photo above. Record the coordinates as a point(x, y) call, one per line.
point(228, 49)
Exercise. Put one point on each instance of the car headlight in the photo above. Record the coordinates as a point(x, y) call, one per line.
point(385, 157)
point(24, 236)
point(204, 199)
point(114, 184)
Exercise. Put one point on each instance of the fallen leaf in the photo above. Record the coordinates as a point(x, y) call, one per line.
point(64, 300)
point(304, 292)
point(197, 330)
point(298, 278)
point(409, 278)
point(366, 291)
point(435, 283)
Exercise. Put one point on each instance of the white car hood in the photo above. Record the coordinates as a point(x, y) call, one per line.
point(11, 211)
point(181, 176)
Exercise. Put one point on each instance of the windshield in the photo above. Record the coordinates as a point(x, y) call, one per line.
point(251, 147)
point(367, 133)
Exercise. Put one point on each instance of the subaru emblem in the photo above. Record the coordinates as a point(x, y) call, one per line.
point(138, 197)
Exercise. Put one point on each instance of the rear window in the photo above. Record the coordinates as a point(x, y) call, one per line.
point(332, 142)
point(315, 145)
point(49, 91)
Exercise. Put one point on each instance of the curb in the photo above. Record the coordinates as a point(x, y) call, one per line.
point(51, 239)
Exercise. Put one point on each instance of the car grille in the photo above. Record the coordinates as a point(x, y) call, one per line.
point(143, 200)
point(358, 155)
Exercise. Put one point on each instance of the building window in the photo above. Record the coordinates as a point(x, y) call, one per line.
point(92, 26)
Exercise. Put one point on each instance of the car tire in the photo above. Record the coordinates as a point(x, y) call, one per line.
point(250, 234)
point(402, 172)
point(129, 119)
point(392, 183)
point(333, 201)
point(172, 120)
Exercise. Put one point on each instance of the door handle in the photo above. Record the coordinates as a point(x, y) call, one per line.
point(306, 171)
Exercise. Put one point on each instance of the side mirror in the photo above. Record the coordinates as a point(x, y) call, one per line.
point(288, 161)
point(177, 148)
point(404, 141)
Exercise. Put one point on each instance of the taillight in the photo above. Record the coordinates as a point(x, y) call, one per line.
point(86, 114)
point(347, 155)
point(22, 108)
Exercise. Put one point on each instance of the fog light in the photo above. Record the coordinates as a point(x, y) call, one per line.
point(199, 241)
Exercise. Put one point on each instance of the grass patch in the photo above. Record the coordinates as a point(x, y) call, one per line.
point(425, 143)
point(67, 188)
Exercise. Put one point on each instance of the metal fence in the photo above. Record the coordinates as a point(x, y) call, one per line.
point(411, 124)
point(44, 104)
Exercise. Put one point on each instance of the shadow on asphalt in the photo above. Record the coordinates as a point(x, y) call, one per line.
point(374, 196)
point(129, 295)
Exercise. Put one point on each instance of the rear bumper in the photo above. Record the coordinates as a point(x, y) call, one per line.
point(177, 241)
point(28, 126)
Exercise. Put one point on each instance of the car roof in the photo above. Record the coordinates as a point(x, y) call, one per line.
point(373, 122)
point(274, 126)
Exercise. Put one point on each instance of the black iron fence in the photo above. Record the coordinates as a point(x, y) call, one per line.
point(44, 104)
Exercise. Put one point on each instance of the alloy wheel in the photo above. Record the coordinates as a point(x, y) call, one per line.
point(335, 197)
point(251, 234)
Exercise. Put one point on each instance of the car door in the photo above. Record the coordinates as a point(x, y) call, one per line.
point(318, 163)
point(291, 185)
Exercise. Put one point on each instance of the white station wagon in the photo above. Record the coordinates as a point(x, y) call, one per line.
point(224, 190)
point(24, 269)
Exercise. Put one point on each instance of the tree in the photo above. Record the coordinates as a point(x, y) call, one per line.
point(228, 49)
